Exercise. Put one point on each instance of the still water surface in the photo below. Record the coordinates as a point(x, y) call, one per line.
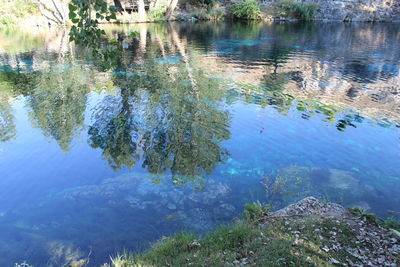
point(192, 122)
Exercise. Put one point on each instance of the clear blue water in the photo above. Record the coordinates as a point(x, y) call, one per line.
point(192, 122)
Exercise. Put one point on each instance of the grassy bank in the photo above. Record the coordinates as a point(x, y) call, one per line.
point(293, 240)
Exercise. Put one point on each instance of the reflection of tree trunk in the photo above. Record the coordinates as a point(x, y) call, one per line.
point(181, 50)
point(141, 10)
point(171, 8)
point(161, 45)
point(142, 39)
point(142, 42)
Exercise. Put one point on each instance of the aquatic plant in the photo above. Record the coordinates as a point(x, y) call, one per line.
point(298, 10)
point(246, 9)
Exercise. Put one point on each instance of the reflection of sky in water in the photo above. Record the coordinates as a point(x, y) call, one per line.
point(242, 139)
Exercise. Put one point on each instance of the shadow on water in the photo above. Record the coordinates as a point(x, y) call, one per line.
point(186, 124)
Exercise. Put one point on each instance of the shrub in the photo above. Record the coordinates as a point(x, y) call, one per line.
point(213, 14)
point(292, 8)
point(158, 13)
point(246, 9)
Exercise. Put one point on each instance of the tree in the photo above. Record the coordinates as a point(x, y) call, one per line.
point(162, 118)
point(58, 103)
point(7, 124)
point(141, 10)
point(171, 8)
point(85, 15)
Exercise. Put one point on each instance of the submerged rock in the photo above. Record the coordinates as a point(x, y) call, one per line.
point(293, 183)
point(224, 211)
point(342, 179)
point(210, 194)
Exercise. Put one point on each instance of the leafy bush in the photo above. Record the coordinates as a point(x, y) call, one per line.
point(213, 14)
point(246, 9)
point(292, 8)
point(158, 13)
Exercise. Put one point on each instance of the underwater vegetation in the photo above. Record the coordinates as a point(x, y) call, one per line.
point(293, 183)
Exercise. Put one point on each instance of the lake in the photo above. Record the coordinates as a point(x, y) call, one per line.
point(187, 124)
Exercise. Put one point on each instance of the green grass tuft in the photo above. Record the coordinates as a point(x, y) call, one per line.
point(246, 9)
point(298, 10)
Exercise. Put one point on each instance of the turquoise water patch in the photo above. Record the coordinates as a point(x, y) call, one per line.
point(168, 59)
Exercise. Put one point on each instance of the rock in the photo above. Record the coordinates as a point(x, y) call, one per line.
point(171, 206)
point(211, 193)
point(312, 206)
point(224, 211)
point(333, 261)
point(342, 180)
point(395, 233)
point(194, 245)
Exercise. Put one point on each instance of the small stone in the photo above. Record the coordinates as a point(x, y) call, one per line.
point(334, 261)
point(381, 260)
point(396, 233)
point(194, 244)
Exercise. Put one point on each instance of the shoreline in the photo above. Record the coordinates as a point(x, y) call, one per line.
point(309, 232)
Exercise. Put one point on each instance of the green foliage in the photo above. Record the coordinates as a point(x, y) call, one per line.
point(260, 246)
point(13, 12)
point(228, 237)
point(158, 13)
point(298, 10)
point(361, 213)
point(85, 16)
point(246, 9)
point(7, 123)
point(275, 81)
point(391, 222)
point(184, 249)
point(256, 211)
point(176, 147)
point(212, 14)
